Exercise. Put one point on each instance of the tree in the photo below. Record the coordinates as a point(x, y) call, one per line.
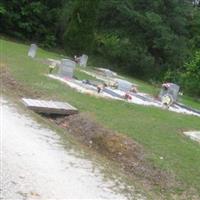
point(149, 31)
point(32, 20)
point(194, 28)
point(190, 76)
point(79, 33)
point(147, 39)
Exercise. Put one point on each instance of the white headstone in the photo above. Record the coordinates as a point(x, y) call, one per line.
point(66, 68)
point(83, 60)
point(32, 51)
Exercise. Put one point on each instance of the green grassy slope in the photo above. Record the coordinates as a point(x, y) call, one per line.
point(159, 131)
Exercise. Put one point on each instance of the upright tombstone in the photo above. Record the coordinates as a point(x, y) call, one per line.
point(171, 90)
point(83, 60)
point(32, 50)
point(66, 68)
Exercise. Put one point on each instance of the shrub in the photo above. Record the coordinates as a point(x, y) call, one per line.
point(190, 76)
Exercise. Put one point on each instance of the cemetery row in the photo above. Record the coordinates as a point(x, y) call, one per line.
point(109, 85)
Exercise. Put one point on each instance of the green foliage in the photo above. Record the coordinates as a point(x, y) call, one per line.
point(149, 33)
point(190, 77)
point(108, 44)
point(171, 76)
point(2, 9)
point(194, 28)
point(79, 34)
point(121, 51)
point(35, 20)
point(147, 39)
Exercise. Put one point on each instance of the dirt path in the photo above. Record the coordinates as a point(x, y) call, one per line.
point(36, 165)
point(128, 154)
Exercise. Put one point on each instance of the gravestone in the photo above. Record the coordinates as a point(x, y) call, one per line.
point(169, 89)
point(83, 60)
point(32, 50)
point(66, 68)
point(123, 85)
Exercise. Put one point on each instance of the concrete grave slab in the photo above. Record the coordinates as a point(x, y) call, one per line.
point(194, 135)
point(49, 107)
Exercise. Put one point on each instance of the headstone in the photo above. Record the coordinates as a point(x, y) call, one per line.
point(124, 85)
point(32, 50)
point(83, 60)
point(66, 68)
point(169, 89)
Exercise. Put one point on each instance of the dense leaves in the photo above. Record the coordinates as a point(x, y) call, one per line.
point(79, 34)
point(153, 32)
point(149, 39)
point(190, 76)
point(32, 20)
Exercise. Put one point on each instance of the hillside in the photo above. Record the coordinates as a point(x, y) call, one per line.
point(158, 131)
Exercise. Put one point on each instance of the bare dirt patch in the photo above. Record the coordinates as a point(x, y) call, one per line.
point(117, 147)
point(8, 82)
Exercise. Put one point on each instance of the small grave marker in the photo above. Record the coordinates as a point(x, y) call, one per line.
point(124, 85)
point(83, 60)
point(32, 51)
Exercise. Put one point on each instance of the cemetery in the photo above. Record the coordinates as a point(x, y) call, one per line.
point(100, 99)
point(105, 110)
point(110, 85)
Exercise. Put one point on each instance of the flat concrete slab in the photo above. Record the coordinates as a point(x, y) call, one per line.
point(112, 92)
point(49, 107)
point(194, 135)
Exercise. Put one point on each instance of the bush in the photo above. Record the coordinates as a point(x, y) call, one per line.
point(79, 34)
point(190, 76)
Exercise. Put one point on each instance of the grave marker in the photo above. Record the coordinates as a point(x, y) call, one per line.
point(124, 85)
point(32, 50)
point(83, 60)
point(66, 68)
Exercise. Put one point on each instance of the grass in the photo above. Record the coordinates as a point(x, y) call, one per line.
point(83, 76)
point(159, 131)
point(193, 103)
